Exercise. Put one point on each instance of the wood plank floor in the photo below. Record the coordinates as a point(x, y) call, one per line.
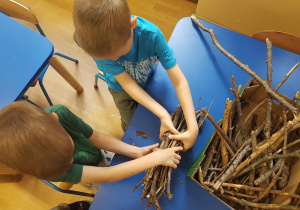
point(95, 106)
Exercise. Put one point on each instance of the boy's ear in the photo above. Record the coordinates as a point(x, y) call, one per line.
point(133, 22)
point(54, 115)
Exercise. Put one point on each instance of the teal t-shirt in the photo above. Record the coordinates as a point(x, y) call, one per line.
point(149, 44)
point(85, 153)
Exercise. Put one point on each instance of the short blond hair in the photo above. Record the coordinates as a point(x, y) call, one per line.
point(33, 142)
point(101, 25)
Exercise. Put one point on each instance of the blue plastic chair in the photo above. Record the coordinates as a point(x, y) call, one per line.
point(99, 75)
point(68, 191)
point(17, 10)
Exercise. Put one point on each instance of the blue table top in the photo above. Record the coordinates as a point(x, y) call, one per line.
point(23, 55)
point(209, 73)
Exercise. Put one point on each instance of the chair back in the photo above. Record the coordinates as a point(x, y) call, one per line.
point(17, 10)
point(280, 39)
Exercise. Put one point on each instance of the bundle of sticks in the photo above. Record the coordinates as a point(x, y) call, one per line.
point(157, 179)
point(251, 156)
point(248, 160)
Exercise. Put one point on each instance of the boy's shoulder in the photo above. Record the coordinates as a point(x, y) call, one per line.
point(56, 108)
point(146, 25)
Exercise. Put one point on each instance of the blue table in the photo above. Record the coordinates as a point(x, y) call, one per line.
point(23, 55)
point(209, 73)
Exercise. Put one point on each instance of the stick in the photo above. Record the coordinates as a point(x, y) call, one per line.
point(225, 128)
point(239, 109)
point(267, 158)
point(246, 68)
point(219, 129)
point(252, 173)
point(245, 187)
point(258, 205)
point(289, 145)
point(286, 76)
point(266, 175)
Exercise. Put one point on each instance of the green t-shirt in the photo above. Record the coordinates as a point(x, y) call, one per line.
point(85, 153)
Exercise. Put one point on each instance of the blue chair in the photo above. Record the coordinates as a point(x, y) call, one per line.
point(17, 10)
point(62, 190)
point(99, 75)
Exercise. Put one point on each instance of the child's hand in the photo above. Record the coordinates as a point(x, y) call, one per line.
point(146, 150)
point(166, 125)
point(168, 157)
point(188, 138)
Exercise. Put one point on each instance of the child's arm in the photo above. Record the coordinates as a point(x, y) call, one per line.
point(143, 98)
point(109, 143)
point(183, 91)
point(184, 95)
point(166, 157)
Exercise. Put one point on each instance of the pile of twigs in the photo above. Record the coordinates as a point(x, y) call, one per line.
point(247, 162)
point(157, 180)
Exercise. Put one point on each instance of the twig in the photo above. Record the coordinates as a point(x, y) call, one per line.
point(254, 142)
point(225, 128)
point(286, 76)
point(219, 129)
point(210, 155)
point(259, 189)
point(258, 205)
point(266, 175)
point(239, 109)
point(289, 145)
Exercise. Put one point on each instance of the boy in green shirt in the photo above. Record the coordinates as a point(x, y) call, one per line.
point(57, 145)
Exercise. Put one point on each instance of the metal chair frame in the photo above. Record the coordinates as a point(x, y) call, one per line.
point(68, 191)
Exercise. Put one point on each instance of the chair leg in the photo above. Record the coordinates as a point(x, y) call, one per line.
point(67, 191)
point(96, 82)
point(45, 92)
point(66, 57)
point(42, 85)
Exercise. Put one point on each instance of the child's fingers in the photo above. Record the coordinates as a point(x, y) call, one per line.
point(174, 166)
point(177, 149)
point(176, 161)
point(176, 136)
point(153, 146)
point(173, 130)
point(178, 157)
point(161, 135)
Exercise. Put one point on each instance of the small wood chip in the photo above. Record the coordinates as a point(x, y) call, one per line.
point(140, 133)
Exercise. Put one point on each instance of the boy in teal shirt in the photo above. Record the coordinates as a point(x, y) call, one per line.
point(126, 49)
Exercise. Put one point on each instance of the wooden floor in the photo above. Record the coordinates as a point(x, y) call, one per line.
point(95, 106)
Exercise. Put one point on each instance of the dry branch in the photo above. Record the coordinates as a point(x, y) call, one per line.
point(219, 129)
point(258, 205)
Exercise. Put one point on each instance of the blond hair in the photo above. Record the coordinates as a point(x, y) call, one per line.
point(101, 25)
point(33, 142)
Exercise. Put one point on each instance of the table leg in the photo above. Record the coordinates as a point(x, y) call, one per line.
point(61, 69)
